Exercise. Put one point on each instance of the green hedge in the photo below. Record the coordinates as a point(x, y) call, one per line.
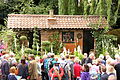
point(115, 32)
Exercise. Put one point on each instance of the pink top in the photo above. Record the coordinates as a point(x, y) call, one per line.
point(95, 67)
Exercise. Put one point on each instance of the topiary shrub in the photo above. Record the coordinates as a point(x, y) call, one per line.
point(28, 51)
point(23, 38)
point(46, 46)
point(36, 44)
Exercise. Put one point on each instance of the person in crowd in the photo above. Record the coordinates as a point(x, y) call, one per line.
point(117, 68)
point(38, 67)
point(85, 74)
point(86, 59)
point(5, 67)
point(43, 68)
point(32, 67)
point(77, 69)
point(111, 71)
point(101, 59)
point(64, 63)
point(94, 70)
point(2, 46)
point(106, 56)
point(62, 60)
point(112, 77)
point(51, 61)
point(45, 65)
point(67, 58)
point(72, 57)
point(23, 69)
point(12, 60)
point(56, 72)
point(117, 56)
point(104, 75)
point(12, 75)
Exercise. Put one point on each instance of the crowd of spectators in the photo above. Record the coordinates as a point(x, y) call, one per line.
point(64, 67)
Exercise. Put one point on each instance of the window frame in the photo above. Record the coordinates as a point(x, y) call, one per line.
point(66, 35)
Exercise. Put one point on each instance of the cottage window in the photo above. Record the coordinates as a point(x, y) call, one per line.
point(68, 37)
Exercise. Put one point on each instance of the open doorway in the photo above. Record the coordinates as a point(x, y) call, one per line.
point(88, 41)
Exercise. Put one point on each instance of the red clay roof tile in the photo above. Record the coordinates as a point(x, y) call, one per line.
point(59, 21)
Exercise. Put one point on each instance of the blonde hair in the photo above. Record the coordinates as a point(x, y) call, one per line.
point(12, 69)
point(110, 69)
point(76, 60)
point(112, 77)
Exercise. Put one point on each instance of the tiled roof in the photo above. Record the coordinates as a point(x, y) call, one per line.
point(57, 22)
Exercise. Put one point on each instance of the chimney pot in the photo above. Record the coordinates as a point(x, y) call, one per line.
point(51, 13)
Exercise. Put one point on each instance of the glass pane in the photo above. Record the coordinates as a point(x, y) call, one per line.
point(68, 36)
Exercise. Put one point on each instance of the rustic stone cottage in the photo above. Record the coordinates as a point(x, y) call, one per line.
point(74, 29)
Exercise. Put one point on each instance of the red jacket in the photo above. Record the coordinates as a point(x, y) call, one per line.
point(53, 74)
point(77, 70)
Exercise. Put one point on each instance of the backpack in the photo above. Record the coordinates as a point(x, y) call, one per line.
point(50, 63)
point(65, 69)
point(93, 74)
point(45, 64)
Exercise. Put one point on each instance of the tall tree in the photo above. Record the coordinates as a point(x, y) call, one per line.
point(85, 7)
point(72, 7)
point(63, 7)
point(92, 7)
point(81, 7)
point(100, 8)
point(109, 5)
point(52, 4)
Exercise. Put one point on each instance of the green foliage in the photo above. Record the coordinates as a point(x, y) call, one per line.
point(46, 46)
point(27, 7)
point(72, 7)
point(56, 43)
point(109, 5)
point(92, 7)
point(63, 7)
point(115, 32)
point(36, 44)
point(79, 55)
point(101, 8)
point(85, 7)
point(2, 27)
point(81, 7)
point(104, 43)
point(23, 38)
point(109, 8)
point(8, 37)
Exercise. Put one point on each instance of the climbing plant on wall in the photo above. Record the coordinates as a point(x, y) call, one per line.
point(56, 43)
point(104, 43)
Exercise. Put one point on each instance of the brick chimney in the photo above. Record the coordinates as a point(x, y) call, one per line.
point(51, 20)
